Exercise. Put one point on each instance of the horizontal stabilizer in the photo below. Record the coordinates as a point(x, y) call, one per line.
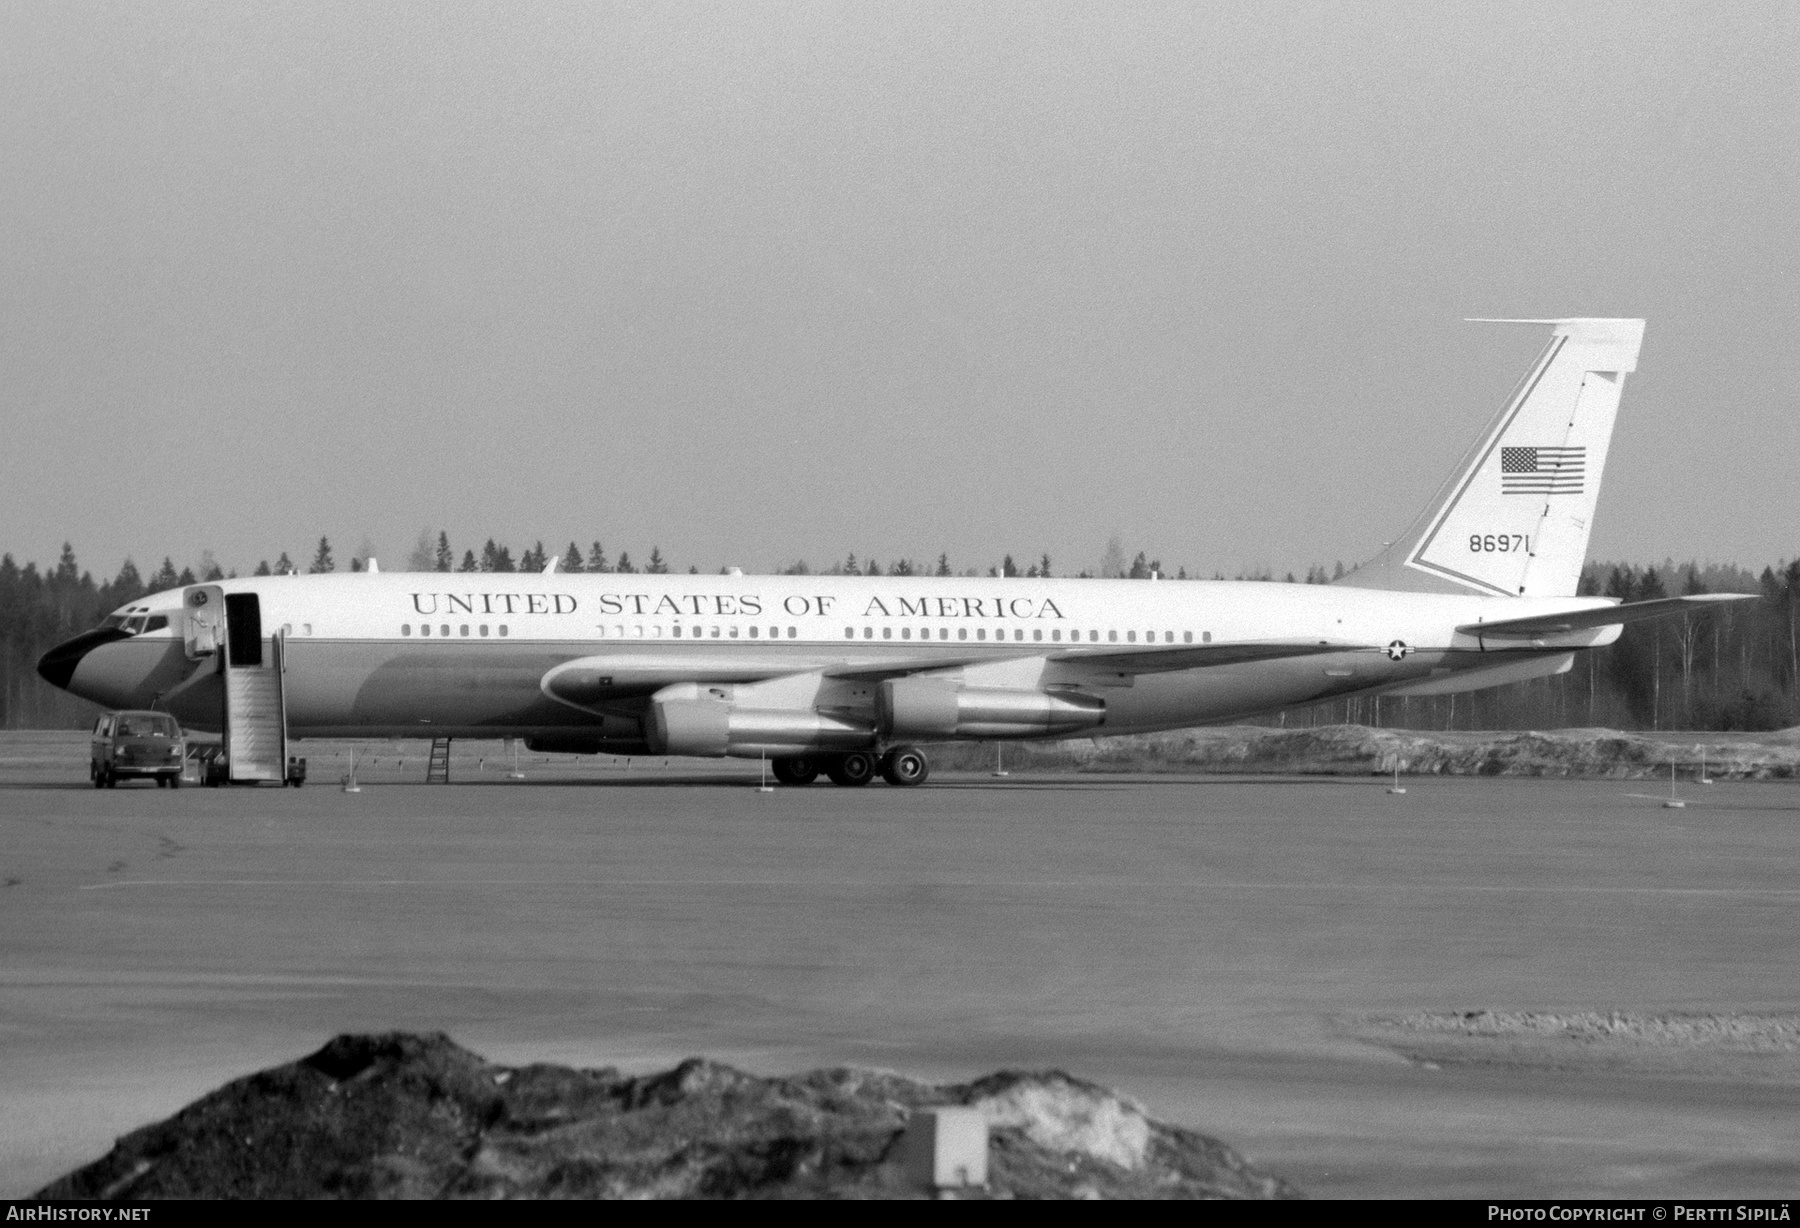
point(1602, 616)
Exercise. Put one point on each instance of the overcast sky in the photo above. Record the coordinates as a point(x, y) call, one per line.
point(757, 283)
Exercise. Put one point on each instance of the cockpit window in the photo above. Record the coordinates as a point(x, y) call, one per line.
point(111, 621)
point(157, 622)
point(134, 624)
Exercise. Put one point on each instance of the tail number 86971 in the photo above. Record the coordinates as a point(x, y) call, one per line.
point(1499, 543)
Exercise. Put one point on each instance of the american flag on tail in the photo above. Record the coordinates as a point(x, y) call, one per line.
point(1542, 471)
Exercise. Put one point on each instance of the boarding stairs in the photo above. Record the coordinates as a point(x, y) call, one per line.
point(256, 718)
point(437, 769)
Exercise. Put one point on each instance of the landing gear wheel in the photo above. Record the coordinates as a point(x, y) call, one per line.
point(852, 770)
point(162, 782)
point(796, 770)
point(905, 766)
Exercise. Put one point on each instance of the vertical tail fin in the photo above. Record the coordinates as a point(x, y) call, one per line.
point(1514, 518)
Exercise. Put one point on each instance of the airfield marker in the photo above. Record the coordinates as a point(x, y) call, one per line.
point(1704, 778)
point(515, 774)
point(1396, 787)
point(350, 785)
point(1673, 803)
point(765, 786)
point(999, 769)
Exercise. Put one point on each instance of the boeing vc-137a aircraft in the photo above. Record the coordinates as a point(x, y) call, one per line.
point(846, 675)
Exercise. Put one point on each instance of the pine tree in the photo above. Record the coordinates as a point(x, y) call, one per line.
point(128, 585)
point(873, 569)
point(1140, 567)
point(444, 557)
point(943, 565)
point(572, 560)
point(657, 566)
point(186, 577)
point(596, 560)
point(625, 563)
point(1044, 565)
point(322, 559)
point(851, 567)
point(469, 563)
point(262, 569)
point(284, 566)
point(1008, 568)
point(166, 577)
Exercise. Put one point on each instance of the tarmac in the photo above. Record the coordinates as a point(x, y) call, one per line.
point(1216, 947)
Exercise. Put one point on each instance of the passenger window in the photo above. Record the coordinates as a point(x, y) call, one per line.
point(463, 630)
point(981, 633)
point(1168, 637)
point(906, 633)
point(887, 633)
point(753, 632)
point(1187, 637)
point(1036, 634)
point(715, 632)
point(1131, 637)
point(1019, 634)
point(868, 633)
point(793, 632)
point(444, 630)
point(734, 631)
point(962, 633)
point(600, 630)
point(502, 628)
point(305, 628)
point(849, 633)
point(1056, 637)
point(1206, 637)
point(405, 628)
point(424, 628)
point(943, 633)
point(1094, 636)
point(1112, 637)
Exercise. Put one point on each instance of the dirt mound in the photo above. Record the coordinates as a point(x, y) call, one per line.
point(1346, 750)
point(408, 1116)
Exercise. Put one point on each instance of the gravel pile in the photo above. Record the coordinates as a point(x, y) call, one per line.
point(410, 1116)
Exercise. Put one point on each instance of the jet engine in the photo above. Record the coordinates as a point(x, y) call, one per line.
point(689, 719)
point(928, 707)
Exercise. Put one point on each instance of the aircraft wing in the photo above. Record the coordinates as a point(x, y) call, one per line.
point(1602, 616)
point(1149, 660)
point(1144, 660)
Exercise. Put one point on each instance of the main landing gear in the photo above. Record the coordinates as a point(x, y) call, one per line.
point(904, 766)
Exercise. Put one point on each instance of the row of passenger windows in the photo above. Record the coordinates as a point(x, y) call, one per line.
point(1037, 634)
point(638, 631)
point(444, 629)
point(623, 631)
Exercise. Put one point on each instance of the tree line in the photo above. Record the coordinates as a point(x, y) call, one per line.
point(1733, 668)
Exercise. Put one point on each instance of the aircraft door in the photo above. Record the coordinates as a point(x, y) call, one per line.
point(243, 630)
point(203, 624)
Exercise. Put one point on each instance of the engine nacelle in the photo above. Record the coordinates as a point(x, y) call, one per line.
point(924, 707)
point(687, 719)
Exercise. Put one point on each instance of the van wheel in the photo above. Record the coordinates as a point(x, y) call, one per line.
point(174, 782)
point(112, 782)
point(98, 777)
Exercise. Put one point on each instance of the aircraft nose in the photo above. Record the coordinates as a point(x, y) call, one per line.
point(57, 667)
